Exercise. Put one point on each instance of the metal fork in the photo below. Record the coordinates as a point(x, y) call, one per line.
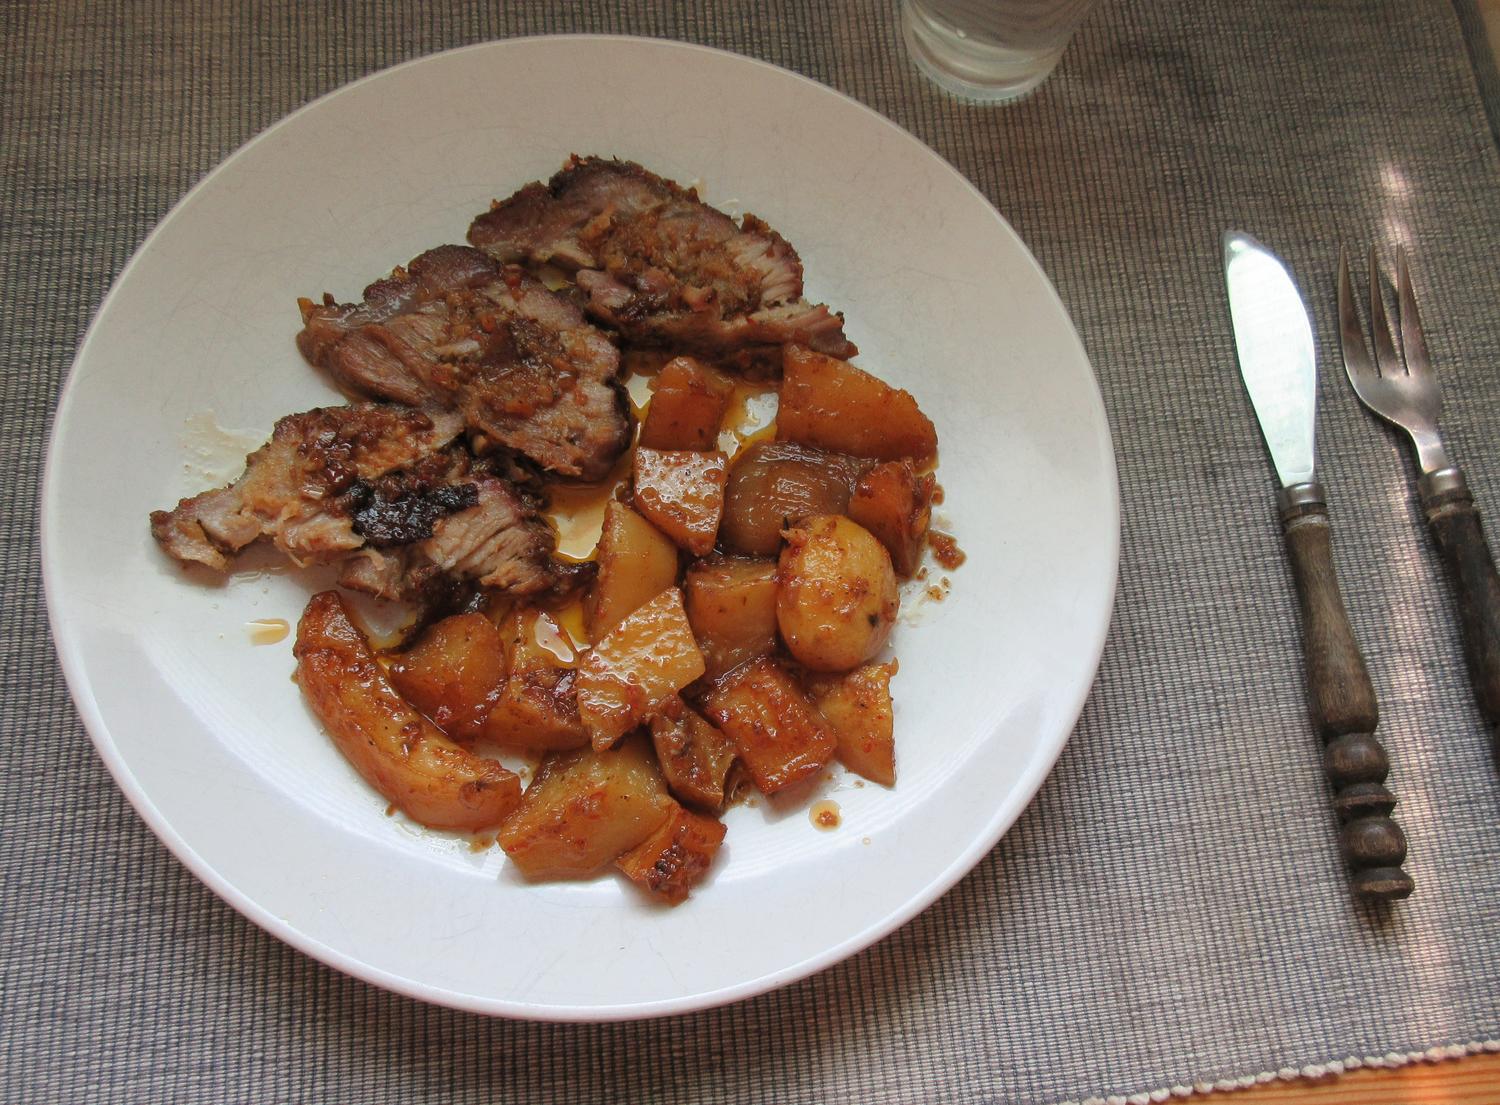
point(1401, 388)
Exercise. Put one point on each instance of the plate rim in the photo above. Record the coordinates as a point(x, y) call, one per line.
point(79, 685)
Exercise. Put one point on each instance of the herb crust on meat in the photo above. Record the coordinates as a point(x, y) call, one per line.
point(456, 330)
point(384, 489)
point(660, 266)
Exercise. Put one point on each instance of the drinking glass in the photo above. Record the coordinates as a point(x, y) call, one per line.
point(989, 50)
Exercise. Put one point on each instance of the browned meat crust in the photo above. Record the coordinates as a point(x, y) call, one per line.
point(290, 488)
point(496, 542)
point(455, 330)
point(381, 487)
point(660, 266)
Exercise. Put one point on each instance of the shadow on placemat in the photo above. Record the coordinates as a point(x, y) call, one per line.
point(1480, 20)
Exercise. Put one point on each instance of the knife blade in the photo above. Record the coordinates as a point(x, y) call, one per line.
point(1278, 362)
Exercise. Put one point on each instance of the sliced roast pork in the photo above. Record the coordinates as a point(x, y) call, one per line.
point(660, 266)
point(495, 541)
point(456, 330)
point(383, 488)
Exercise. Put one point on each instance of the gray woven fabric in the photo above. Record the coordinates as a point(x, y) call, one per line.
point(1472, 18)
point(1170, 911)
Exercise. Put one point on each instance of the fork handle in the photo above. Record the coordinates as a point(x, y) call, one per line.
point(1456, 529)
point(1342, 701)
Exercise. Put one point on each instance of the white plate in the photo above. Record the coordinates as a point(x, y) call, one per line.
point(210, 740)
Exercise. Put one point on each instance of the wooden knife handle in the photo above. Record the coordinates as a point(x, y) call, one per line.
point(1342, 700)
point(1339, 691)
point(1471, 571)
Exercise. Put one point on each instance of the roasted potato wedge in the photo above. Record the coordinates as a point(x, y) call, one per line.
point(637, 562)
point(836, 597)
point(857, 707)
point(695, 757)
point(831, 404)
point(681, 493)
point(688, 399)
point(894, 503)
point(674, 859)
point(537, 708)
point(776, 483)
point(731, 605)
point(397, 751)
point(584, 809)
point(454, 673)
point(780, 737)
point(647, 657)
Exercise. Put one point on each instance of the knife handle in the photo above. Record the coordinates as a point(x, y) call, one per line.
point(1456, 529)
point(1342, 700)
point(1339, 691)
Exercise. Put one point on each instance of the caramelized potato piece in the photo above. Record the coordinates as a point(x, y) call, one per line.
point(836, 597)
point(681, 493)
point(646, 658)
point(857, 708)
point(731, 605)
point(537, 708)
point(584, 809)
point(454, 673)
point(695, 757)
point(780, 737)
point(688, 399)
point(831, 404)
point(637, 562)
point(775, 483)
point(397, 751)
point(674, 859)
point(895, 504)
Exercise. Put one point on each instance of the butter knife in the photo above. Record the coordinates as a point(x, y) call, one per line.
point(1274, 338)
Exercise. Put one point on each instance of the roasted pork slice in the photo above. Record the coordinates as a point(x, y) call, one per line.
point(497, 541)
point(456, 330)
point(291, 486)
point(382, 487)
point(661, 266)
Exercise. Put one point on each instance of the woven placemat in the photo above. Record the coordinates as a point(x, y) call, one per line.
point(1171, 911)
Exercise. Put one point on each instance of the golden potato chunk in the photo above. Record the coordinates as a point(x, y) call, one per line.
point(831, 404)
point(647, 657)
point(895, 504)
point(454, 673)
point(780, 737)
point(537, 708)
point(584, 809)
point(836, 597)
point(637, 562)
point(858, 709)
point(674, 859)
point(731, 605)
point(688, 399)
point(695, 757)
point(396, 750)
point(681, 493)
point(776, 483)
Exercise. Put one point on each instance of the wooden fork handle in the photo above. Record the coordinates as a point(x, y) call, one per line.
point(1342, 701)
point(1471, 571)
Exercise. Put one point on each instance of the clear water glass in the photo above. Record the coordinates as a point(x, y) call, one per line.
point(989, 50)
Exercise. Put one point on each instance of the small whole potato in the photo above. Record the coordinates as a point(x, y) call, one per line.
point(836, 596)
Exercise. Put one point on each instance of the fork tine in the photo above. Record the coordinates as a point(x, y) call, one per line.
point(1351, 333)
point(1413, 344)
point(1386, 357)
